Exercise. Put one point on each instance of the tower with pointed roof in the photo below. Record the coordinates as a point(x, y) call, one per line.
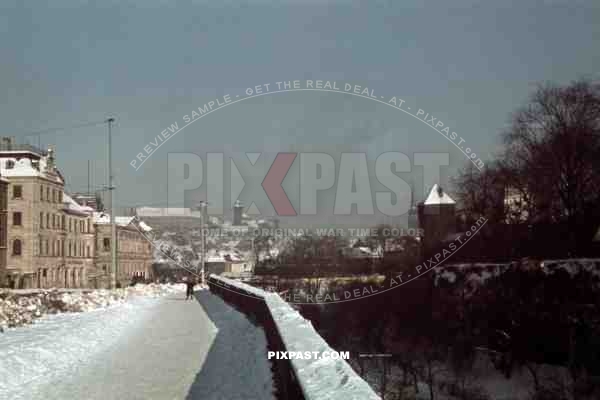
point(436, 217)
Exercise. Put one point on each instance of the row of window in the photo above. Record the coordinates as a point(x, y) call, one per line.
point(69, 277)
point(129, 269)
point(58, 248)
point(136, 247)
point(46, 194)
point(55, 248)
point(54, 221)
point(52, 195)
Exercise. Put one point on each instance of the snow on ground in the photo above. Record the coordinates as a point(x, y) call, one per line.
point(20, 307)
point(484, 379)
point(319, 379)
point(145, 348)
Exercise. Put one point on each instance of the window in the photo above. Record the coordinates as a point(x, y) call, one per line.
point(106, 244)
point(48, 194)
point(70, 249)
point(60, 197)
point(104, 267)
point(87, 251)
point(46, 253)
point(10, 164)
point(48, 221)
point(63, 223)
point(41, 220)
point(17, 247)
point(17, 192)
point(41, 193)
point(17, 219)
point(41, 247)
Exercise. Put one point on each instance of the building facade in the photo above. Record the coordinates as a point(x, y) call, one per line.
point(44, 249)
point(134, 250)
point(3, 229)
point(77, 246)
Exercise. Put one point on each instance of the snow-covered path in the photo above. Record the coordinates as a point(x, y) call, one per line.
point(165, 348)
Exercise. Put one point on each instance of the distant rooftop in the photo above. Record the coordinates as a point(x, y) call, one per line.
point(13, 147)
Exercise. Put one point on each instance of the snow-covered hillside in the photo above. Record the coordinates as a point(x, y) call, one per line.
point(178, 240)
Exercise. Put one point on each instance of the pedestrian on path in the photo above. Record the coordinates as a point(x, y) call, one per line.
point(189, 289)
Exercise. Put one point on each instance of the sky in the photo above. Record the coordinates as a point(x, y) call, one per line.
point(149, 63)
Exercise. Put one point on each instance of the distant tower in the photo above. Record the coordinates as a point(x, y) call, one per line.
point(238, 208)
point(436, 217)
point(412, 219)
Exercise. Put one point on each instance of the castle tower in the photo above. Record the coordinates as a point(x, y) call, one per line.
point(238, 209)
point(436, 217)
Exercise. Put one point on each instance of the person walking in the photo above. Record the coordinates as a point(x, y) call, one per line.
point(189, 289)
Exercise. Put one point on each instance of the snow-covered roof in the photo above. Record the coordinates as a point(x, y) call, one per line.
point(72, 205)
point(145, 227)
point(438, 196)
point(215, 259)
point(124, 221)
point(104, 218)
point(101, 218)
point(24, 168)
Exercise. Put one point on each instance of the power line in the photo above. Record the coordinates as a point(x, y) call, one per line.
point(65, 128)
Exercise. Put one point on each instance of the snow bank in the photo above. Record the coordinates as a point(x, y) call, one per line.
point(18, 308)
point(318, 379)
point(573, 266)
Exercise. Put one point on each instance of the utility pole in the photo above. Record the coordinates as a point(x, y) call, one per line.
point(113, 227)
point(88, 191)
point(203, 205)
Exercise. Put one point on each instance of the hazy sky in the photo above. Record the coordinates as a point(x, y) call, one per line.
point(148, 63)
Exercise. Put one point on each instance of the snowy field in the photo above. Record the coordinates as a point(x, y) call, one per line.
point(143, 348)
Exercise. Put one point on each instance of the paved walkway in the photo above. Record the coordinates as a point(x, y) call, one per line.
point(175, 349)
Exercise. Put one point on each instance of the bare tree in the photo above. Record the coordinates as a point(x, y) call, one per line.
point(553, 153)
point(481, 192)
